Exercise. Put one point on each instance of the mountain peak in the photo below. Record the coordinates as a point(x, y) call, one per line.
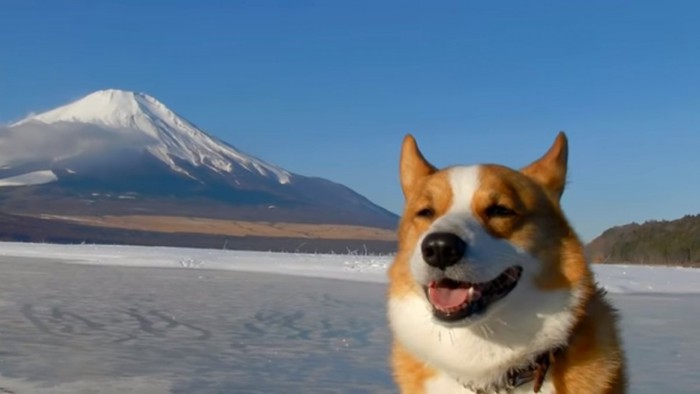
point(109, 107)
point(171, 137)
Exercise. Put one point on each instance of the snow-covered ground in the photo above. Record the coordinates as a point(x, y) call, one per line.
point(629, 279)
point(111, 319)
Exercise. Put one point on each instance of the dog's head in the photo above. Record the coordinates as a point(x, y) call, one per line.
point(485, 244)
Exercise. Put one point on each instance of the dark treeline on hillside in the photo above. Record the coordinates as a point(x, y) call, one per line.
point(675, 242)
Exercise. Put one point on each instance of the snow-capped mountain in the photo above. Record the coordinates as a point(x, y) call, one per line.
point(171, 136)
point(120, 152)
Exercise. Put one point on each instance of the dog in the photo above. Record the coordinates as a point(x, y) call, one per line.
point(490, 291)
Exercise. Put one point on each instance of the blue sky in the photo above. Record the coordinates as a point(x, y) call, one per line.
point(329, 88)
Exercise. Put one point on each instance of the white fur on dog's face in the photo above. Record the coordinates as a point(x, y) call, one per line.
point(486, 256)
point(512, 331)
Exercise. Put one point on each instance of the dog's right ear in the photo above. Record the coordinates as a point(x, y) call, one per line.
point(413, 167)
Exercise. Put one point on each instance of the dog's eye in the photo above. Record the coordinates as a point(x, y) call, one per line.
point(427, 213)
point(499, 211)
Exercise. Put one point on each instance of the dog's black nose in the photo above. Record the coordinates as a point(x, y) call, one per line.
point(442, 250)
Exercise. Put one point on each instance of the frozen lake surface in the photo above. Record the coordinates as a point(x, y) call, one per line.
point(68, 328)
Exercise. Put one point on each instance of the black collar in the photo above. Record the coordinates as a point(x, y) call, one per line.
point(516, 377)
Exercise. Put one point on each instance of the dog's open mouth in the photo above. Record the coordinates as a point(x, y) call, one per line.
point(453, 300)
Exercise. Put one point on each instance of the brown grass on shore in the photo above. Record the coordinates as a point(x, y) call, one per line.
point(175, 224)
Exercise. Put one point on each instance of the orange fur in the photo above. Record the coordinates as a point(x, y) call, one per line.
point(410, 374)
point(593, 361)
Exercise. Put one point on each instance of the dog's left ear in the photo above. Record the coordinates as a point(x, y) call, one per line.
point(550, 169)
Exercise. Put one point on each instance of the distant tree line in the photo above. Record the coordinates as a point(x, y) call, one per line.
point(675, 242)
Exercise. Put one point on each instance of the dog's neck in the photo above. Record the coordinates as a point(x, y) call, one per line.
point(535, 372)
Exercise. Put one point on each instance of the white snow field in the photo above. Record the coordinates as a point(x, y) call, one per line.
point(113, 319)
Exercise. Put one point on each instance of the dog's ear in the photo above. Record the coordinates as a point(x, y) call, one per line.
point(550, 169)
point(413, 166)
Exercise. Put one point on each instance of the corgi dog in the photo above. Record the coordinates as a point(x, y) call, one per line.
point(490, 291)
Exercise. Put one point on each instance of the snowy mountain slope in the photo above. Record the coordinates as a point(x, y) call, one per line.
point(30, 178)
point(114, 142)
point(171, 136)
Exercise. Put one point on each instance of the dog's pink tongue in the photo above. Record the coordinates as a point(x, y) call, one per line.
point(448, 297)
